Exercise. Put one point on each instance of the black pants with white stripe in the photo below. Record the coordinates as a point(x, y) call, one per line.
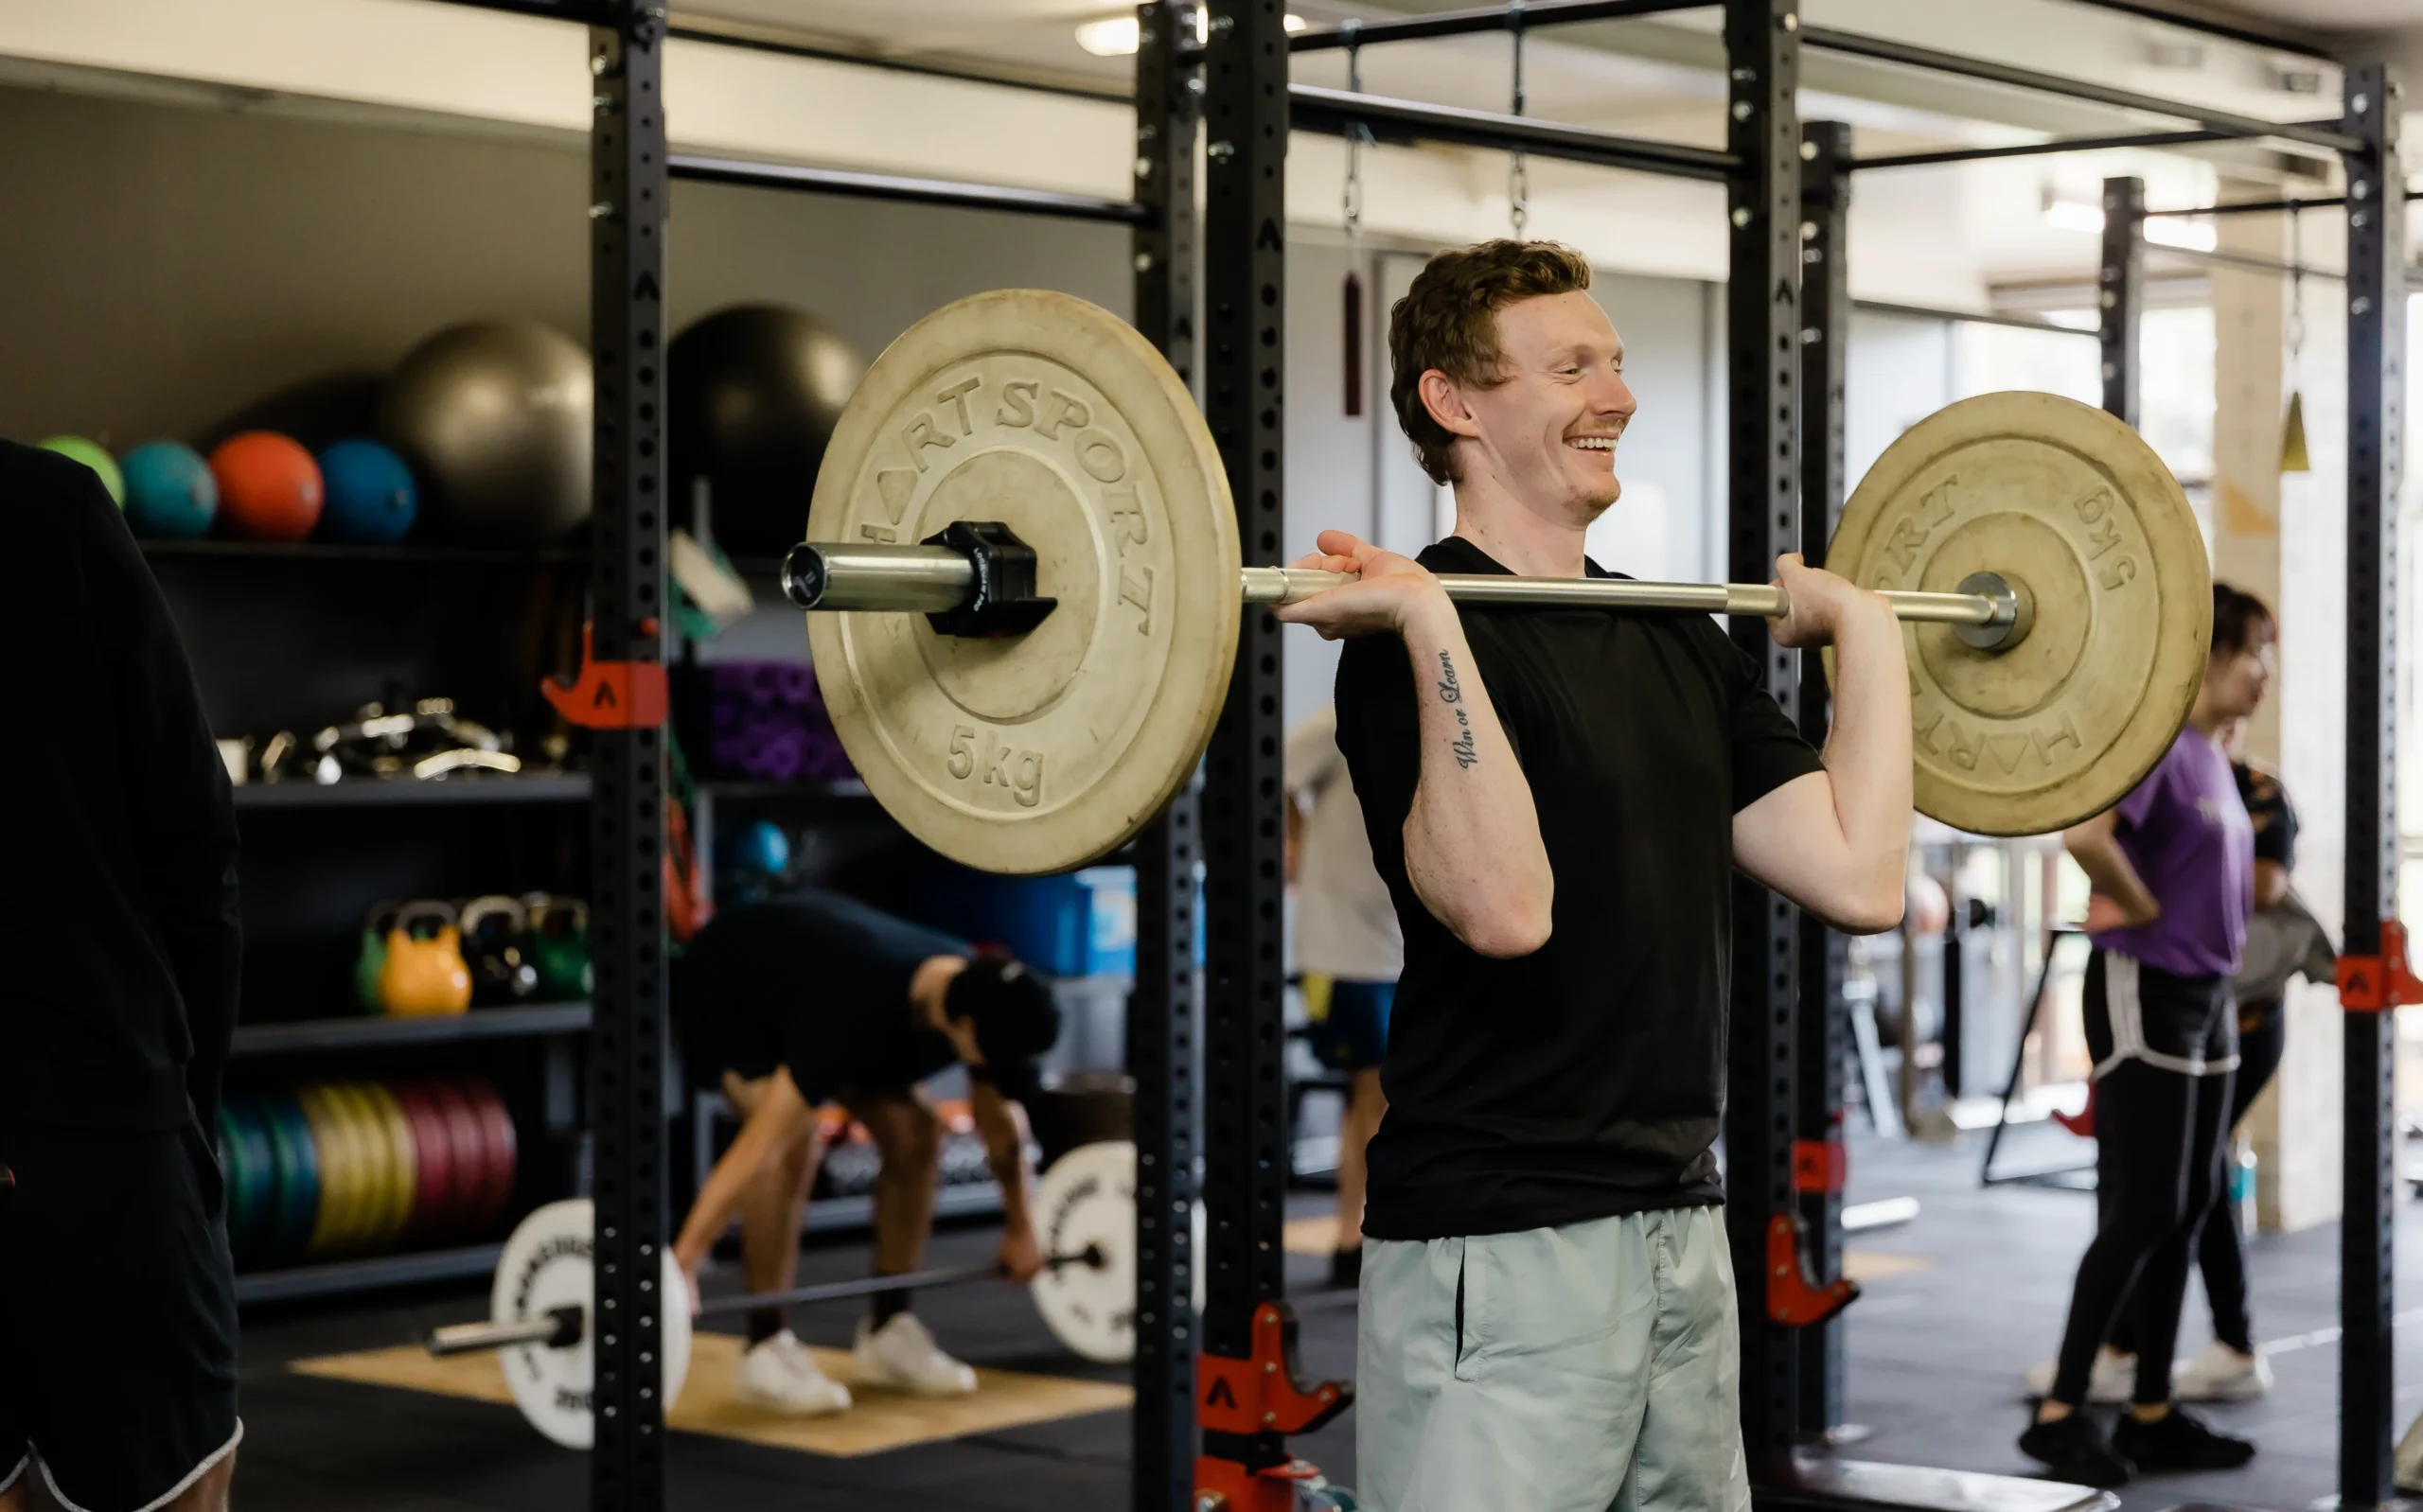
point(2165, 1049)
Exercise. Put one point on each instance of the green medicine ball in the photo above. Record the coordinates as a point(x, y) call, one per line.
point(94, 457)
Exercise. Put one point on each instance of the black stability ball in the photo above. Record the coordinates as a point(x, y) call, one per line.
point(754, 393)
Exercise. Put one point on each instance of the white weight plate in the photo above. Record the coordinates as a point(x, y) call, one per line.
point(547, 1264)
point(1087, 1200)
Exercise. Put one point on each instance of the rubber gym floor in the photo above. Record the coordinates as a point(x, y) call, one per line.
point(1957, 1304)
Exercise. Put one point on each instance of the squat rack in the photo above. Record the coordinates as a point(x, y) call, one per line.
point(1784, 333)
point(631, 171)
point(1789, 200)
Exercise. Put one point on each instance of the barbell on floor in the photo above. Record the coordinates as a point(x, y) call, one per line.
point(563, 1327)
point(1025, 468)
point(545, 1325)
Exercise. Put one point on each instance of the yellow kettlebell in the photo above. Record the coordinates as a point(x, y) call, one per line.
point(424, 972)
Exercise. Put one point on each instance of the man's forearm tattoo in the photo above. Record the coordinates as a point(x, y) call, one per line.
point(1453, 694)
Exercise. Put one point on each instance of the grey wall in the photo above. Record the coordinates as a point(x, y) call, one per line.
point(167, 266)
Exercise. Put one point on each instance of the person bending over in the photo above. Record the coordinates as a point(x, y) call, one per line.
point(790, 1002)
point(1559, 800)
point(118, 1298)
point(2172, 866)
point(1348, 947)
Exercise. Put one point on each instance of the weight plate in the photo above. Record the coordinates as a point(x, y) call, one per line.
point(496, 1126)
point(250, 1168)
point(1038, 751)
point(403, 1162)
point(298, 1176)
point(257, 1203)
point(1087, 1201)
point(547, 1265)
point(2070, 507)
point(432, 1159)
point(333, 1147)
point(468, 1143)
point(378, 1164)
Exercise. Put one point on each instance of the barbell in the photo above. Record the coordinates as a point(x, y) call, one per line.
point(1026, 529)
point(544, 1321)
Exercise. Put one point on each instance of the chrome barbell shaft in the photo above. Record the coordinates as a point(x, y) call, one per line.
point(562, 1328)
point(935, 579)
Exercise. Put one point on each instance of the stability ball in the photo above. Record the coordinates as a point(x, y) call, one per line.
point(755, 394)
point(371, 500)
point(494, 418)
point(269, 486)
point(170, 491)
point(93, 455)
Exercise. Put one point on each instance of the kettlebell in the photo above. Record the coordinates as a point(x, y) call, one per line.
point(424, 972)
point(558, 941)
point(375, 924)
point(494, 929)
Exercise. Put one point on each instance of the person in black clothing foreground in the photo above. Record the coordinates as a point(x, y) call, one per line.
point(786, 1003)
point(117, 1307)
point(1558, 800)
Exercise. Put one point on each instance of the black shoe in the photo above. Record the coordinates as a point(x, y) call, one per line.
point(2073, 1449)
point(2179, 1441)
point(1346, 1269)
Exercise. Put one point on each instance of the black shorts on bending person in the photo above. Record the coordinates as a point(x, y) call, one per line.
point(117, 1316)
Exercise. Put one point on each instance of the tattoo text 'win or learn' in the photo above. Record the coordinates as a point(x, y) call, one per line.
point(1466, 755)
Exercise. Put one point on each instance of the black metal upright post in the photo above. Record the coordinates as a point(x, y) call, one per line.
point(627, 188)
point(1825, 1016)
point(1763, 483)
point(2120, 292)
point(1244, 1135)
point(1162, 1021)
point(2376, 424)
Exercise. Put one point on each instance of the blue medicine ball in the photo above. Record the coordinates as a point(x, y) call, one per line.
point(762, 847)
point(170, 491)
point(370, 497)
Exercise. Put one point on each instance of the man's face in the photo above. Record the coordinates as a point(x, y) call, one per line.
point(1548, 432)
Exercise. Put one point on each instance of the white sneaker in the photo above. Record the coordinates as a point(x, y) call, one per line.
point(903, 1356)
point(2113, 1379)
point(2221, 1374)
point(780, 1376)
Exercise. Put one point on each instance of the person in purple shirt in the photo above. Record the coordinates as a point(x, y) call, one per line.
point(2173, 872)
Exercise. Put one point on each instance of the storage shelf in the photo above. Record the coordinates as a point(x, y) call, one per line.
point(408, 555)
point(336, 1277)
point(372, 792)
point(379, 1030)
point(739, 790)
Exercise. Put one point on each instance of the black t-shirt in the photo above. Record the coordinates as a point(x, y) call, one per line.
point(1587, 1079)
point(122, 935)
point(2267, 806)
point(813, 981)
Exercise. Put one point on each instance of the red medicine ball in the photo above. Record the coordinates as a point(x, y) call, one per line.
point(269, 486)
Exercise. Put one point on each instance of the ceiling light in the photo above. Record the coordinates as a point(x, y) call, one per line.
point(2069, 215)
point(1115, 36)
point(1112, 37)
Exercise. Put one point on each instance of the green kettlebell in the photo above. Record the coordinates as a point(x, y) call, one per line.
point(373, 956)
point(558, 942)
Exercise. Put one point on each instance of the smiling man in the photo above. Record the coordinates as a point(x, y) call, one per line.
point(1557, 800)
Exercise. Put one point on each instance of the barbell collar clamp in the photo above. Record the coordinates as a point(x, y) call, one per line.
point(968, 581)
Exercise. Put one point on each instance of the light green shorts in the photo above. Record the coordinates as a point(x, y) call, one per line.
point(1590, 1368)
